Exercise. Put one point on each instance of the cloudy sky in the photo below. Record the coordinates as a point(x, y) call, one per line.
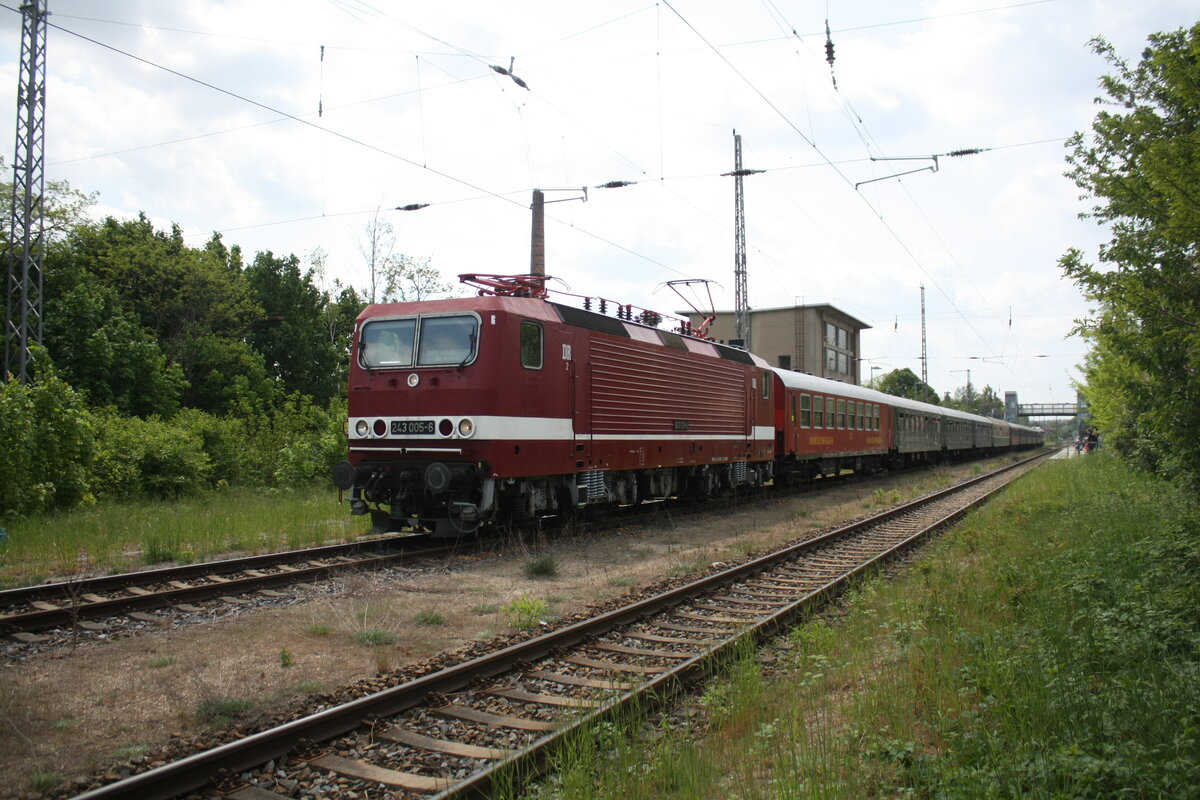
point(229, 117)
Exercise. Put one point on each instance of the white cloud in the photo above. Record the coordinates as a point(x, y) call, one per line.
point(622, 90)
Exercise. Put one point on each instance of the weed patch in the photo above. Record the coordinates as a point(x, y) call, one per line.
point(540, 567)
point(525, 612)
point(373, 637)
point(218, 712)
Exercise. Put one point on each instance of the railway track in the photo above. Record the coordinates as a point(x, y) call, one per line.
point(451, 733)
point(83, 605)
point(72, 603)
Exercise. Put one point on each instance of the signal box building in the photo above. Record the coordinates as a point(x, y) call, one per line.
point(820, 339)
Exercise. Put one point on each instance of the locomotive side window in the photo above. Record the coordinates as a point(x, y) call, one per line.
point(447, 340)
point(531, 345)
point(818, 411)
point(387, 343)
point(805, 412)
point(766, 388)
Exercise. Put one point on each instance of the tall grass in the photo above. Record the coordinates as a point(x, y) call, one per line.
point(1048, 647)
point(111, 537)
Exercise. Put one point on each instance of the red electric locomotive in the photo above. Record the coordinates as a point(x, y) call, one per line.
point(465, 411)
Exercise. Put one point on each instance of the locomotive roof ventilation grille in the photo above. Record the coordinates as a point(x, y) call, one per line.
point(598, 322)
point(591, 320)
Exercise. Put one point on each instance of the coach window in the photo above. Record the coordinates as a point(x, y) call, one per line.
point(876, 417)
point(841, 414)
point(862, 417)
point(531, 345)
point(818, 411)
point(805, 411)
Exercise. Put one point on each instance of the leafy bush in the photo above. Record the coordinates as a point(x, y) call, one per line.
point(310, 456)
point(149, 457)
point(227, 444)
point(46, 443)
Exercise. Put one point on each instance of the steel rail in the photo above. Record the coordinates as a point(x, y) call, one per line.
point(103, 583)
point(195, 771)
point(72, 609)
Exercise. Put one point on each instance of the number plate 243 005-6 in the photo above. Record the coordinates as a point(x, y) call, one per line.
point(408, 427)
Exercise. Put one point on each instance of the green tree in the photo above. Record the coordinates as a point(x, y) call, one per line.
point(195, 302)
point(406, 279)
point(1141, 167)
point(974, 400)
point(99, 347)
point(905, 383)
point(293, 336)
point(63, 207)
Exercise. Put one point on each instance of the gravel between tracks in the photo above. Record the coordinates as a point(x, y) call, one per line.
point(118, 704)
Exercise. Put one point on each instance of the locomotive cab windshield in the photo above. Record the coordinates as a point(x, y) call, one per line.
point(436, 340)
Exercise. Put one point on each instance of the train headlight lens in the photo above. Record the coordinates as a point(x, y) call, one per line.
point(445, 427)
point(466, 428)
point(413, 379)
point(380, 427)
point(361, 428)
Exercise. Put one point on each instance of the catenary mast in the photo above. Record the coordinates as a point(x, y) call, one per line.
point(23, 317)
point(742, 300)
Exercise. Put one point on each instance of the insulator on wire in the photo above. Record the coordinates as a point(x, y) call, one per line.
point(829, 53)
point(603, 306)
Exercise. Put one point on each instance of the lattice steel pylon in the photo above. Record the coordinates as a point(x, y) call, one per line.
point(924, 353)
point(741, 295)
point(23, 317)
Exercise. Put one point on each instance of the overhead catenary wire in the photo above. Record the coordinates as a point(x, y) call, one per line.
point(364, 16)
point(351, 139)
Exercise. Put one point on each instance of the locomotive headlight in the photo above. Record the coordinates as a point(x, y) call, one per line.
point(361, 428)
point(466, 428)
